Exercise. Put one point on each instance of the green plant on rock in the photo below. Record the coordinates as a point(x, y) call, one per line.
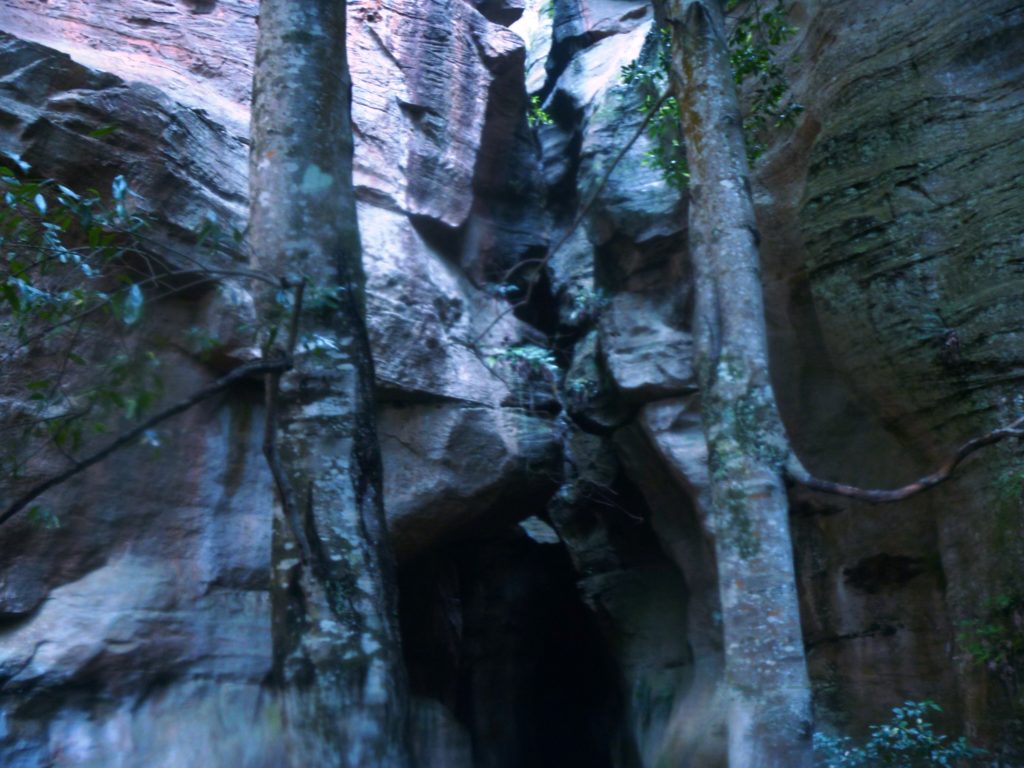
point(648, 75)
point(79, 368)
point(754, 45)
point(996, 639)
point(536, 115)
point(755, 41)
point(907, 740)
point(71, 295)
point(587, 304)
point(529, 358)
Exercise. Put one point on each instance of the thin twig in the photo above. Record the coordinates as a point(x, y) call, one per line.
point(254, 368)
point(577, 220)
point(272, 397)
point(796, 472)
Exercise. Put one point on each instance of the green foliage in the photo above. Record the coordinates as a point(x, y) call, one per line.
point(528, 357)
point(649, 75)
point(754, 42)
point(587, 305)
point(582, 388)
point(753, 53)
point(43, 517)
point(536, 116)
point(996, 638)
point(527, 370)
point(1008, 490)
point(907, 740)
point(69, 302)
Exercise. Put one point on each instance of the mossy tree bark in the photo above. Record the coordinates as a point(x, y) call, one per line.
point(338, 661)
point(767, 687)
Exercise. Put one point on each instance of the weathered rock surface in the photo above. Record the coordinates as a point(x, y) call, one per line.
point(902, 263)
point(646, 358)
point(449, 467)
point(882, 234)
point(138, 634)
point(184, 167)
point(199, 52)
point(153, 588)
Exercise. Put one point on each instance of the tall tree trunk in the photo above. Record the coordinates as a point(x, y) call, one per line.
point(338, 660)
point(766, 673)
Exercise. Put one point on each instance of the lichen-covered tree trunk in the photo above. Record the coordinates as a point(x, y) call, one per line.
point(769, 718)
point(338, 663)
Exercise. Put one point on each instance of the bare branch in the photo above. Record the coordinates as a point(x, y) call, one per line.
point(796, 472)
point(254, 368)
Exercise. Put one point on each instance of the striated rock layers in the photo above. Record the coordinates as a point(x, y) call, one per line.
point(559, 605)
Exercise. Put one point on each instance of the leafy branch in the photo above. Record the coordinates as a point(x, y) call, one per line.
point(908, 738)
point(73, 262)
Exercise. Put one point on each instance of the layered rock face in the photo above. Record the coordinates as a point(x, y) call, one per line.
point(559, 604)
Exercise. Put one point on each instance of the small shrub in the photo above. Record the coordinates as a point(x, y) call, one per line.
point(907, 740)
point(995, 640)
point(537, 116)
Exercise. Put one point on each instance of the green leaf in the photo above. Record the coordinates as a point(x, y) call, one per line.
point(131, 309)
point(25, 167)
point(10, 294)
point(43, 517)
point(40, 202)
point(104, 130)
point(119, 187)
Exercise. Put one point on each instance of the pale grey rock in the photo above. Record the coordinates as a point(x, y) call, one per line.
point(845, 201)
point(645, 357)
point(585, 21)
point(426, 322)
point(596, 70)
point(185, 169)
point(572, 276)
point(94, 627)
point(201, 722)
point(674, 428)
point(416, 140)
point(664, 453)
point(446, 465)
point(660, 634)
point(113, 623)
point(535, 27)
point(645, 608)
point(505, 12)
point(539, 531)
point(635, 209)
point(589, 396)
point(422, 73)
point(198, 53)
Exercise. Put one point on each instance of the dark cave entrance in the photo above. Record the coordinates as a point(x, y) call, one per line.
point(494, 629)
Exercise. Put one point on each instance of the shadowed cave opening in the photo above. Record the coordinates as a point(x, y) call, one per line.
point(494, 630)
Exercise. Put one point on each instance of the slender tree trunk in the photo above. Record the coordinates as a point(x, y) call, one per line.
point(766, 673)
point(338, 661)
